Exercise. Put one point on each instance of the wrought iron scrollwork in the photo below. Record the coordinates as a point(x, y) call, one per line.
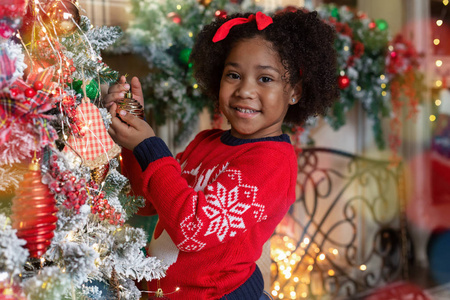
point(345, 232)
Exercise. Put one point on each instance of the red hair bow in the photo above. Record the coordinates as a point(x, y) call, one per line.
point(262, 21)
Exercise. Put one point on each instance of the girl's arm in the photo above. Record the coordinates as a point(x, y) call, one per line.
point(130, 168)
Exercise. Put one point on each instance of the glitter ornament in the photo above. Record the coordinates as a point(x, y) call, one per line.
point(64, 16)
point(33, 212)
point(99, 174)
point(130, 105)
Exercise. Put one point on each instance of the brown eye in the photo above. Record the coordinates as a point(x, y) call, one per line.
point(266, 79)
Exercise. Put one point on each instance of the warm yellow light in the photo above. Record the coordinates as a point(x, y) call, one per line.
point(432, 118)
point(346, 48)
point(438, 83)
point(281, 296)
point(439, 22)
point(331, 272)
point(445, 2)
point(363, 267)
point(296, 279)
point(304, 294)
point(383, 93)
point(322, 256)
point(436, 41)
point(277, 287)
point(342, 73)
point(382, 77)
point(285, 238)
point(293, 295)
point(358, 88)
point(438, 63)
point(274, 293)
point(383, 85)
point(335, 251)
point(437, 102)
point(391, 48)
point(306, 241)
point(310, 267)
point(191, 34)
point(166, 83)
point(178, 6)
point(195, 86)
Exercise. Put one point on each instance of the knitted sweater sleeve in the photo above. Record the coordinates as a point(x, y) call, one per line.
point(253, 188)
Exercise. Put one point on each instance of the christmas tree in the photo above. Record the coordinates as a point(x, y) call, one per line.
point(64, 233)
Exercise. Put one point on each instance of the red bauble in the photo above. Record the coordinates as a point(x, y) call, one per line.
point(30, 92)
point(220, 14)
point(38, 85)
point(372, 25)
point(175, 17)
point(33, 212)
point(343, 82)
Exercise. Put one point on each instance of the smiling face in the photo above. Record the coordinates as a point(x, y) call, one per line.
point(253, 95)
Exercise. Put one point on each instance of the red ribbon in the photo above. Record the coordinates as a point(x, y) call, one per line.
point(262, 21)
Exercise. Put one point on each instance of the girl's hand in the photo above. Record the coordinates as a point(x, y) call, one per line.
point(117, 91)
point(128, 131)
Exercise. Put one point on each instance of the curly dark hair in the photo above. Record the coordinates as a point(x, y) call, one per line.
point(305, 45)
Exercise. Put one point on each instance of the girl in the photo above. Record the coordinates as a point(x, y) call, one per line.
point(220, 200)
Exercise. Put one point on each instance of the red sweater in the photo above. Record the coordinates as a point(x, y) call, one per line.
point(218, 202)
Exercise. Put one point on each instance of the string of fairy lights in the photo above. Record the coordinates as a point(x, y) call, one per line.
point(439, 83)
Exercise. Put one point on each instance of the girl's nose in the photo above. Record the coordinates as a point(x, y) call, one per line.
point(246, 89)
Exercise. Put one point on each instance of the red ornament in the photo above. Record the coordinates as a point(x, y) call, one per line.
point(220, 14)
point(372, 25)
point(174, 17)
point(343, 82)
point(14, 92)
point(38, 85)
point(30, 92)
point(34, 211)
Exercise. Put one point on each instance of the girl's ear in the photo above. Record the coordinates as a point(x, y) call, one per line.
point(296, 94)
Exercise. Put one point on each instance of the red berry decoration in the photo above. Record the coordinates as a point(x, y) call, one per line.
point(343, 82)
point(30, 92)
point(14, 92)
point(38, 85)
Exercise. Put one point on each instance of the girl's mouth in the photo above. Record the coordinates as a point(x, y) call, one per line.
point(246, 110)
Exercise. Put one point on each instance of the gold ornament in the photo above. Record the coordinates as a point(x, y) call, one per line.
point(205, 2)
point(98, 174)
point(64, 16)
point(130, 105)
